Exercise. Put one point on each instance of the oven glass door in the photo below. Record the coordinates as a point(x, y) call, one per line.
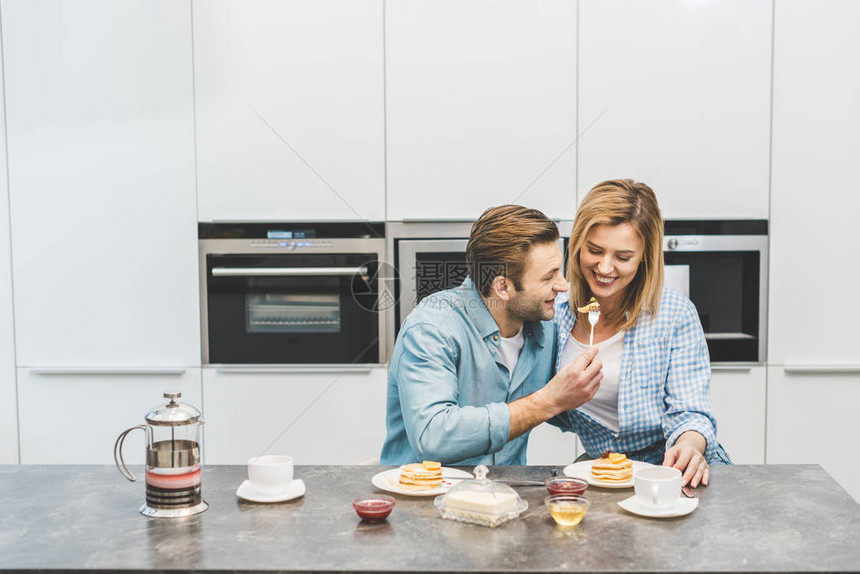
point(293, 309)
point(725, 287)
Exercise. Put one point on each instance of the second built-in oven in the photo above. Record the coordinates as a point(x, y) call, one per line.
point(720, 265)
point(291, 294)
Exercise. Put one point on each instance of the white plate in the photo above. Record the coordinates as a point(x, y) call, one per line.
point(388, 479)
point(682, 507)
point(583, 470)
point(248, 492)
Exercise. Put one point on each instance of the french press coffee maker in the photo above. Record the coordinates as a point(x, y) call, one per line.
point(172, 460)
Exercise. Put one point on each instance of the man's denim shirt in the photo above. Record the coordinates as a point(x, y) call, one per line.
point(448, 387)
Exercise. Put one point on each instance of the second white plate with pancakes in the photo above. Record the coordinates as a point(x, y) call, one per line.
point(388, 479)
point(583, 470)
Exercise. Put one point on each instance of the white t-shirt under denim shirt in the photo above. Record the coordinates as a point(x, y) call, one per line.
point(509, 350)
point(603, 408)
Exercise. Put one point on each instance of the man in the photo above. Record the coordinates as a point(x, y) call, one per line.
point(468, 377)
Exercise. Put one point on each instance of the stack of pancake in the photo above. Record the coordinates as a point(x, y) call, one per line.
point(425, 475)
point(613, 467)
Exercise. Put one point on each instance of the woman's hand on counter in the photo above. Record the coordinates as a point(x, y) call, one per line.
point(687, 455)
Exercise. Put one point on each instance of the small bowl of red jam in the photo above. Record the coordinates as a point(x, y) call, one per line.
point(565, 485)
point(373, 507)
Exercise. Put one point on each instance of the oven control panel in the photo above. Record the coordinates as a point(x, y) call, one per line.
point(290, 244)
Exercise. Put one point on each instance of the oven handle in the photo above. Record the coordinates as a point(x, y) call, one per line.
point(287, 271)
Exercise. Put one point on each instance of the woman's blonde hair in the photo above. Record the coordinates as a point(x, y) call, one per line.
point(612, 203)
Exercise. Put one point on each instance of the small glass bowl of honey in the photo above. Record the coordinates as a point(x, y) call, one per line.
point(567, 510)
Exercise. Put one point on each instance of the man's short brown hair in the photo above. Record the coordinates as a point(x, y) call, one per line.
point(499, 241)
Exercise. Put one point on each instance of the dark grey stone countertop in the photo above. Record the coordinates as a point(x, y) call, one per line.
point(751, 518)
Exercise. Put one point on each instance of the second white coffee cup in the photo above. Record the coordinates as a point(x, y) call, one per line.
point(271, 473)
point(657, 486)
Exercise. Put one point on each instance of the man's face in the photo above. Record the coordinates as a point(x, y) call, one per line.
point(541, 282)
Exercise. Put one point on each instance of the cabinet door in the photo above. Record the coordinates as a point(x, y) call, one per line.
point(677, 95)
point(480, 107)
point(73, 417)
point(815, 196)
point(100, 117)
point(739, 400)
point(290, 109)
point(811, 419)
point(334, 417)
point(8, 392)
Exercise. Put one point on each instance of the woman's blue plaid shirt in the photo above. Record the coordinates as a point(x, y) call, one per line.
point(665, 380)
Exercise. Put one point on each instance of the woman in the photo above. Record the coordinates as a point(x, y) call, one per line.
point(653, 403)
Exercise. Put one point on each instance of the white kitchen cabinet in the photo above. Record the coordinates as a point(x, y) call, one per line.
point(99, 108)
point(739, 400)
point(548, 445)
point(290, 109)
point(481, 107)
point(8, 392)
point(75, 418)
point(811, 419)
point(815, 194)
point(332, 417)
point(813, 354)
point(677, 94)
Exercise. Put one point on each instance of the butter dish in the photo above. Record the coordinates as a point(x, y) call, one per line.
point(481, 501)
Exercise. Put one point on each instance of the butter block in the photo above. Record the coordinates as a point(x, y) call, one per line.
point(491, 503)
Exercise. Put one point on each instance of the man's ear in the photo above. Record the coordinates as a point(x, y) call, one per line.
point(501, 288)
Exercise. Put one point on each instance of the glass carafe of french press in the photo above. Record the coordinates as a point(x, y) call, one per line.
point(172, 459)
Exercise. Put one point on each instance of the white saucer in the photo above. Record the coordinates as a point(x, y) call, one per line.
point(682, 507)
point(248, 492)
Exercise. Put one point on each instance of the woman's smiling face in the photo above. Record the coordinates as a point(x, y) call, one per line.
point(609, 260)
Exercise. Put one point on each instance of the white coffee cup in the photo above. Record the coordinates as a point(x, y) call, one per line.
point(657, 486)
point(271, 473)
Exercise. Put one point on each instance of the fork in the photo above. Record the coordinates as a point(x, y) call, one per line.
point(593, 316)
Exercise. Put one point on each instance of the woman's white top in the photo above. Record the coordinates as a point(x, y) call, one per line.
point(603, 408)
point(509, 350)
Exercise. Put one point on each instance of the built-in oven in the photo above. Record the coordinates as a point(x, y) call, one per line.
point(720, 265)
point(292, 294)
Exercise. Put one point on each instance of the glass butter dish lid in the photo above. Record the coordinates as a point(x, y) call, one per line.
point(481, 501)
